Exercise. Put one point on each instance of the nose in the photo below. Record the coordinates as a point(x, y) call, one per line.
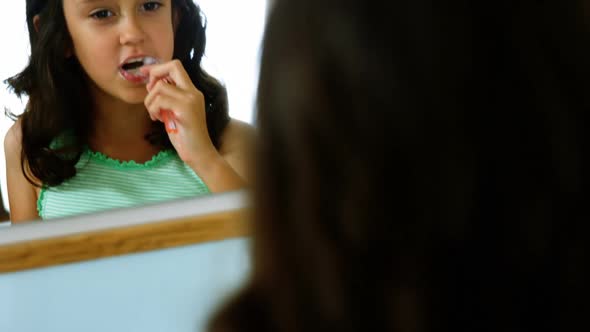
point(131, 31)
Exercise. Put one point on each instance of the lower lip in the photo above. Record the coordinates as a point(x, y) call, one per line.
point(133, 78)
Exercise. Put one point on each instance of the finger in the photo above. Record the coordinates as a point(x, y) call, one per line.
point(172, 69)
point(152, 80)
point(154, 112)
point(161, 88)
point(163, 102)
point(146, 70)
point(151, 77)
point(155, 107)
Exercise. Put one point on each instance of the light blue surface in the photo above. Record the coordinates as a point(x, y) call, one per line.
point(167, 290)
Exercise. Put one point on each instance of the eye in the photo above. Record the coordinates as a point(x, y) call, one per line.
point(101, 14)
point(151, 6)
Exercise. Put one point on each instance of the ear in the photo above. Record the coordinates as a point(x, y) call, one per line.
point(36, 22)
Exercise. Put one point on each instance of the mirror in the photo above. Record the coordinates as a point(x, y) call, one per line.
point(234, 33)
point(153, 268)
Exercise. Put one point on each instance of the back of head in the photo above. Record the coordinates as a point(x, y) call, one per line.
point(420, 167)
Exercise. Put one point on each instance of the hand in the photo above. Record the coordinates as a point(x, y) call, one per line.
point(171, 90)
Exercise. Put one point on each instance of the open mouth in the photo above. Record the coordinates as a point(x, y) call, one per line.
point(130, 69)
point(131, 66)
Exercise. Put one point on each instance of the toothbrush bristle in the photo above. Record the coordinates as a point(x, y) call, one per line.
point(149, 61)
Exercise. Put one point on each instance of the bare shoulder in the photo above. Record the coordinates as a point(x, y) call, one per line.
point(13, 140)
point(22, 195)
point(237, 142)
point(237, 135)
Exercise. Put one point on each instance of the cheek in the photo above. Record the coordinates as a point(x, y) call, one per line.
point(97, 63)
point(164, 40)
point(94, 50)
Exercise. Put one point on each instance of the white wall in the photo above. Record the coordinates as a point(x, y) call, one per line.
point(234, 34)
point(15, 42)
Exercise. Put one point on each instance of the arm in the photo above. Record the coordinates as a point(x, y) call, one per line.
point(237, 143)
point(229, 168)
point(22, 195)
point(222, 170)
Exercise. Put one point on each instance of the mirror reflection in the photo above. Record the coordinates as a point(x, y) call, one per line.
point(125, 105)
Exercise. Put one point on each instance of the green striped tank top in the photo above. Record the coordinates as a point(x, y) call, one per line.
point(103, 183)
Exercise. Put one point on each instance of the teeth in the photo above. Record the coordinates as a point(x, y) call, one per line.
point(134, 64)
point(148, 60)
point(140, 59)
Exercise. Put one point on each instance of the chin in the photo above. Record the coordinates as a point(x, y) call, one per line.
point(133, 99)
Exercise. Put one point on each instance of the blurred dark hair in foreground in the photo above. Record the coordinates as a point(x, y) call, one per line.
point(420, 167)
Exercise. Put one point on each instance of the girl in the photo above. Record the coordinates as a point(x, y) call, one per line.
point(92, 135)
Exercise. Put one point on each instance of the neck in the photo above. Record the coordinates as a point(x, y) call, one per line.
point(119, 129)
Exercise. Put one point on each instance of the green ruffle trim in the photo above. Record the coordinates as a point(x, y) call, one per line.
point(40, 203)
point(101, 158)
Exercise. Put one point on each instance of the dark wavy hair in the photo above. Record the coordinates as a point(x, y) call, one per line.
point(421, 167)
point(52, 82)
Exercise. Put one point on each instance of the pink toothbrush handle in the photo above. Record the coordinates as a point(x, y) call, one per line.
point(169, 123)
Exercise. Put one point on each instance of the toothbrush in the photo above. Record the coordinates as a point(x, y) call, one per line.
point(167, 115)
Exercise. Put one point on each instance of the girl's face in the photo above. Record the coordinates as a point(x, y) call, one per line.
point(108, 33)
